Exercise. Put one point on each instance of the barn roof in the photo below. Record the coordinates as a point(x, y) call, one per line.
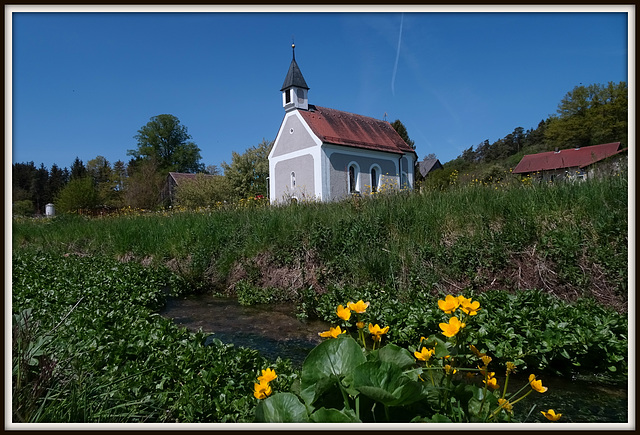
point(178, 177)
point(344, 128)
point(567, 158)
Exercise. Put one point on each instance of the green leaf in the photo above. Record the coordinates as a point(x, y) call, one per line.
point(385, 383)
point(327, 363)
point(396, 355)
point(331, 415)
point(439, 418)
point(281, 408)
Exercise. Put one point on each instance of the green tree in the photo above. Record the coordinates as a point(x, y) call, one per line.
point(164, 140)
point(143, 186)
point(58, 178)
point(205, 190)
point(78, 194)
point(22, 179)
point(248, 173)
point(399, 127)
point(590, 115)
point(78, 169)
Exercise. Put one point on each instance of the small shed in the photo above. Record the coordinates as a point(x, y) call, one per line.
point(174, 179)
point(428, 165)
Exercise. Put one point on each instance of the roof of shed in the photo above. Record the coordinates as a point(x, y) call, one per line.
point(567, 158)
point(344, 128)
point(427, 165)
point(178, 177)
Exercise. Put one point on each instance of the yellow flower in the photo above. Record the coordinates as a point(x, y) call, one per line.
point(261, 390)
point(425, 354)
point(359, 307)
point(536, 385)
point(471, 308)
point(511, 367)
point(492, 382)
point(377, 332)
point(332, 332)
point(360, 325)
point(551, 415)
point(449, 370)
point(268, 375)
point(343, 313)
point(486, 359)
point(449, 304)
point(504, 404)
point(452, 328)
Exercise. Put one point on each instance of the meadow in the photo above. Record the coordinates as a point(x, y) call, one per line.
point(548, 264)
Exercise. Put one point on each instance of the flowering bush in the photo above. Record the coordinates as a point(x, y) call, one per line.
point(345, 379)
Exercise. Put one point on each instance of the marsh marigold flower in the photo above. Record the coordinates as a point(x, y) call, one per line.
point(469, 307)
point(359, 307)
point(332, 332)
point(449, 304)
point(486, 359)
point(425, 354)
point(360, 325)
point(492, 382)
point(452, 328)
point(343, 313)
point(261, 390)
point(511, 367)
point(377, 332)
point(551, 415)
point(268, 375)
point(504, 403)
point(536, 385)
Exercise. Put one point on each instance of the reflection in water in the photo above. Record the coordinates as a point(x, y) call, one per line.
point(272, 330)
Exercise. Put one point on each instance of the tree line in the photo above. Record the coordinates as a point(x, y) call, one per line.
point(588, 115)
point(163, 145)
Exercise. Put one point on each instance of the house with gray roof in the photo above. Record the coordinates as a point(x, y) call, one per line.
point(326, 154)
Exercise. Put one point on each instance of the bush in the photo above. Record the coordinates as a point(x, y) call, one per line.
point(23, 208)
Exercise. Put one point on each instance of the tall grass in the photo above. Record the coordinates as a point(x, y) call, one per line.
point(465, 236)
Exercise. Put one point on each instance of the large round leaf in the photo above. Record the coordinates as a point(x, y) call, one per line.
point(281, 408)
point(328, 363)
point(384, 382)
point(396, 355)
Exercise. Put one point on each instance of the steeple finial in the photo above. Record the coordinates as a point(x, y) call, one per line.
point(293, 47)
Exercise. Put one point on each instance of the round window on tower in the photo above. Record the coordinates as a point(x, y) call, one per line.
point(291, 131)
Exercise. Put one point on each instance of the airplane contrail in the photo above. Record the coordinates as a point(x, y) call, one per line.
point(395, 66)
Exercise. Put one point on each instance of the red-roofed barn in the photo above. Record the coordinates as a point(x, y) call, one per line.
point(327, 154)
point(572, 163)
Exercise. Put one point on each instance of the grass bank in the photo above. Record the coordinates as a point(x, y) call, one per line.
point(566, 239)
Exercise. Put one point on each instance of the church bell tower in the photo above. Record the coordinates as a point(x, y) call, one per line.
point(294, 89)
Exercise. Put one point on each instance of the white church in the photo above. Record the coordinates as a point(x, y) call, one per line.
point(326, 154)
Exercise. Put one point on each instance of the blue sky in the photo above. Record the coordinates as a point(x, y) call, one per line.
point(83, 84)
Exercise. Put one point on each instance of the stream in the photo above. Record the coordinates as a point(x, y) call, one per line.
point(275, 331)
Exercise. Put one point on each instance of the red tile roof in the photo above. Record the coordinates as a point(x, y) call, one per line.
point(568, 158)
point(344, 128)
